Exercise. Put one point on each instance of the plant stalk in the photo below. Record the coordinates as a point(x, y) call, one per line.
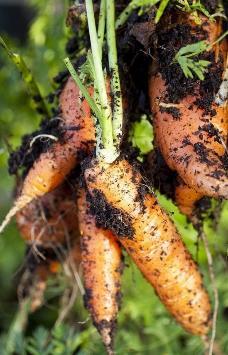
point(106, 122)
point(117, 117)
point(28, 78)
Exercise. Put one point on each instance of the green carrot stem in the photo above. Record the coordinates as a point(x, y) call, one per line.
point(219, 39)
point(28, 78)
point(117, 120)
point(161, 10)
point(82, 88)
point(101, 25)
point(133, 5)
point(106, 122)
point(122, 19)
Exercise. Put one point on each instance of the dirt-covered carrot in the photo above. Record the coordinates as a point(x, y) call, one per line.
point(151, 239)
point(101, 265)
point(186, 198)
point(50, 220)
point(51, 168)
point(190, 127)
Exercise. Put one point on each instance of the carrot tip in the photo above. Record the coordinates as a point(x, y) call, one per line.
point(20, 203)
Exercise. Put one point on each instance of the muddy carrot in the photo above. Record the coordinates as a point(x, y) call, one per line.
point(53, 166)
point(150, 238)
point(190, 127)
point(101, 265)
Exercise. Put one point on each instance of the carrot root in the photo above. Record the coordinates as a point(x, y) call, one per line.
point(152, 241)
point(20, 203)
point(102, 266)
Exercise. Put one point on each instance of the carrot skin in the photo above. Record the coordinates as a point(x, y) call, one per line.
point(196, 155)
point(102, 267)
point(54, 165)
point(186, 198)
point(51, 168)
point(154, 244)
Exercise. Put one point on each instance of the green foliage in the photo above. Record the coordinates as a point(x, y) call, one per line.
point(28, 78)
point(141, 135)
point(161, 9)
point(190, 66)
point(193, 7)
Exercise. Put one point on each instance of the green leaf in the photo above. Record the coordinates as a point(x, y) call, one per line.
point(141, 135)
point(190, 66)
point(193, 49)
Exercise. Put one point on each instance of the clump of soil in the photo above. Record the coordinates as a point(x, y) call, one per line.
point(169, 41)
point(109, 217)
point(24, 157)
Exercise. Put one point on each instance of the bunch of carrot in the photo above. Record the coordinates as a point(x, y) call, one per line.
point(114, 209)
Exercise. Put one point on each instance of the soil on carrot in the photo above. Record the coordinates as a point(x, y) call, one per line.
point(103, 324)
point(26, 154)
point(109, 217)
point(169, 41)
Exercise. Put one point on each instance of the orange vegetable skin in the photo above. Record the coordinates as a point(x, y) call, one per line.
point(52, 166)
point(50, 220)
point(154, 244)
point(101, 265)
point(186, 198)
point(206, 176)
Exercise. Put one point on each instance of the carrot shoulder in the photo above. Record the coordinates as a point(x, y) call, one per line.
point(192, 131)
point(152, 241)
point(101, 265)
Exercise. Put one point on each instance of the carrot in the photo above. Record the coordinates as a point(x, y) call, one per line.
point(101, 265)
point(50, 220)
point(149, 236)
point(53, 166)
point(191, 131)
point(186, 198)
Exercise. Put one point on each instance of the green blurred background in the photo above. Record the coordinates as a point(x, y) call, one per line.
point(36, 29)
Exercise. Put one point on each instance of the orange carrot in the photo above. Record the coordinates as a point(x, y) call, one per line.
point(102, 265)
point(53, 166)
point(186, 198)
point(193, 141)
point(151, 239)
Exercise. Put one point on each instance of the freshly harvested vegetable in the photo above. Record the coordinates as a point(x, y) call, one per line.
point(51, 168)
point(186, 197)
point(101, 265)
point(50, 220)
point(190, 128)
point(151, 239)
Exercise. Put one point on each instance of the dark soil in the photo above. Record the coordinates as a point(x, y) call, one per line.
point(109, 217)
point(170, 38)
point(24, 156)
point(159, 174)
point(210, 5)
